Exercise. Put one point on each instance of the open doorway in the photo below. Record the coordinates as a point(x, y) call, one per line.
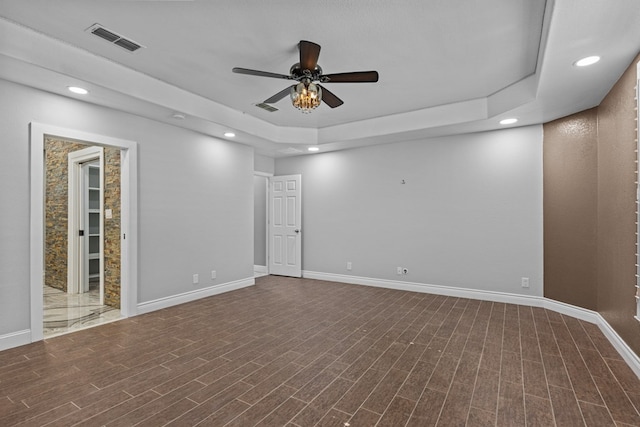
point(82, 227)
point(126, 233)
point(260, 223)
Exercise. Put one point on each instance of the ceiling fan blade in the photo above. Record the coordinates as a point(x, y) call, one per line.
point(278, 96)
point(309, 53)
point(353, 77)
point(330, 99)
point(261, 73)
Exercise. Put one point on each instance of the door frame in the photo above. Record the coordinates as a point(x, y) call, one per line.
point(77, 247)
point(267, 180)
point(129, 217)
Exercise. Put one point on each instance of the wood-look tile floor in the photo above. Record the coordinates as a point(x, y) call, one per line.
point(296, 352)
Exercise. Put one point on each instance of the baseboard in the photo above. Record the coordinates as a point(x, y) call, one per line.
point(573, 311)
point(260, 270)
point(449, 291)
point(160, 303)
point(590, 316)
point(15, 339)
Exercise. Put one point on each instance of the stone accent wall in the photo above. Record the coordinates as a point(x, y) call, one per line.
point(112, 227)
point(56, 216)
point(56, 210)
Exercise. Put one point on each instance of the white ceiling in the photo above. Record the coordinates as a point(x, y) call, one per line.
point(445, 67)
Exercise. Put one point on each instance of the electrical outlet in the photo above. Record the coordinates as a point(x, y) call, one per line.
point(525, 282)
point(213, 274)
point(399, 270)
point(196, 279)
point(349, 265)
point(405, 270)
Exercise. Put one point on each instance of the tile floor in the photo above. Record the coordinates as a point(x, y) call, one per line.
point(297, 352)
point(64, 312)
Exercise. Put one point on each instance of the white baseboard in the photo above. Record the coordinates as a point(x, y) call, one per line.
point(590, 316)
point(160, 303)
point(15, 339)
point(260, 270)
point(449, 291)
point(573, 311)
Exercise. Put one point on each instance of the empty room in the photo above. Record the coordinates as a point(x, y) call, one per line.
point(355, 213)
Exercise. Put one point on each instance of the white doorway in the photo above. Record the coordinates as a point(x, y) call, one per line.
point(285, 227)
point(128, 221)
point(260, 223)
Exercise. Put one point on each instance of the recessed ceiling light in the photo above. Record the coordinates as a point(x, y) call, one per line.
point(508, 121)
point(589, 60)
point(78, 90)
point(229, 134)
point(313, 149)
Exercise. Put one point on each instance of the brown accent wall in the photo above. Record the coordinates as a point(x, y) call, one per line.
point(589, 208)
point(570, 179)
point(56, 216)
point(616, 208)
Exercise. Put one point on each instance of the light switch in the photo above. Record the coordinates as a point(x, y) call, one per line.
point(108, 213)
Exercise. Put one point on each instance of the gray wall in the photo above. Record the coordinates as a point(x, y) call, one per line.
point(469, 214)
point(260, 220)
point(263, 163)
point(195, 199)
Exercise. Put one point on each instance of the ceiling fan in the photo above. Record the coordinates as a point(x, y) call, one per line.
point(307, 94)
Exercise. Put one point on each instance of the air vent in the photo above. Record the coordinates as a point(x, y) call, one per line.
point(128, 44)
point(113, 37)
point(105, 34)
point(266, 107)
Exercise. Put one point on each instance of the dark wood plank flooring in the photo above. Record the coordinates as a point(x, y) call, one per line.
point(297, 352)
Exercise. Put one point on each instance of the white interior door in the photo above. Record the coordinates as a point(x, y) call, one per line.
point(85, 256)
point(285, 231)
point(91, 219)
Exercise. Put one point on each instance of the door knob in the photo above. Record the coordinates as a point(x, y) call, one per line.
point(296, 230)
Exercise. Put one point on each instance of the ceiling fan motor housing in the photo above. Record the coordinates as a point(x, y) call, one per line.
point(299, 74)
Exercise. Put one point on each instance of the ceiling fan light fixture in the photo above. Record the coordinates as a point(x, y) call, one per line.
point(306, 96)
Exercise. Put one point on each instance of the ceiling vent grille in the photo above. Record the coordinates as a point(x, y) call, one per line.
point(115, 38)
point(266, 107)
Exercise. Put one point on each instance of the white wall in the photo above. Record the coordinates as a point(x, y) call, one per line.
point(195, 199)
point(469, 214)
